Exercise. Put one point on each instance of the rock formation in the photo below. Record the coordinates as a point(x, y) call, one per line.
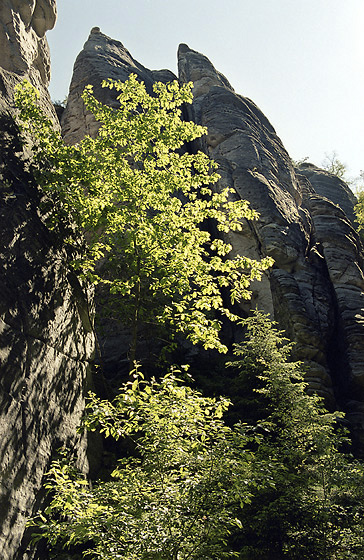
point(46, 339)
point(316, 285)
point(101, 58)
point(24, 51)
point(330, 186)
point(315, 288)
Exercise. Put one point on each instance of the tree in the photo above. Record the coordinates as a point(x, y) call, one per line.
point(175, 498)
point(333, 165)
point(192, 487)
point(143, 203)
point(312, 508)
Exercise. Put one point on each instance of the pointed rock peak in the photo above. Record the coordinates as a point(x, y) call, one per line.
point(196, 67)
point(102, 58)
point(183, 49)
point(97, 36)
point(104, 46)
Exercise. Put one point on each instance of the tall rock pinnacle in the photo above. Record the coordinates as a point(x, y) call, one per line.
point(315, 289)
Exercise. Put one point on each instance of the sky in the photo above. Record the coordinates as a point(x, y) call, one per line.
point(300, 61)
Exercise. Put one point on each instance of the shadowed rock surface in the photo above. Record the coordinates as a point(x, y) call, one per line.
point(46, 339)
point(315, 288)
point(316, 285)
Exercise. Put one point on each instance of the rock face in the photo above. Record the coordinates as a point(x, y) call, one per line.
point(330, 186)
point(102, 58)
point(46, 338)
point(315, 289)
point(24, 51)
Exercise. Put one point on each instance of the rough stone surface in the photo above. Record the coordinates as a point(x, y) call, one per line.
point(253, 161)
point(315, 288)
point(101, 58)
point(342, 253)
point(24, 51)
point(328, 185)
point(46, 342)
point(46, 338)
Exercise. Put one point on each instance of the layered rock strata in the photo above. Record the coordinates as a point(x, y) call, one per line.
point(331, 187)
point(46, 338)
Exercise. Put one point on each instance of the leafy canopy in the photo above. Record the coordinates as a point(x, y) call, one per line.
point(175, 499)
point(144, 203)
point(193, 487)
point(312, 508)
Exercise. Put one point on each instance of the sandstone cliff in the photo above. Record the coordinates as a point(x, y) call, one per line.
point(315, 289)
point(316, 285)
point(46, 338)
point(100, 59)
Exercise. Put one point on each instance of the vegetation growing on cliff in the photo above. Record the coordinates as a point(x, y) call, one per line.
point(359, 207)
point(143, 203)
point(192, 486)
point(196, 488)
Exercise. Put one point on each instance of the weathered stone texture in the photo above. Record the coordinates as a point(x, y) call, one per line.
point(329, 186)
point(46, 342)
point(341, 250)
point(24, 51)
point(102, 58)
point(315, 287)
point(46, 338)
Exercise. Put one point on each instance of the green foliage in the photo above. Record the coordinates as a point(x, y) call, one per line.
point(143, 203)
point(313, 507)
point(176, 498)
point(195, 488)
point(333, 165)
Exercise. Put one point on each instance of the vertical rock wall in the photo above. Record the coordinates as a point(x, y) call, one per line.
point(46, 339)
point(315, 289)
point(306, 223)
